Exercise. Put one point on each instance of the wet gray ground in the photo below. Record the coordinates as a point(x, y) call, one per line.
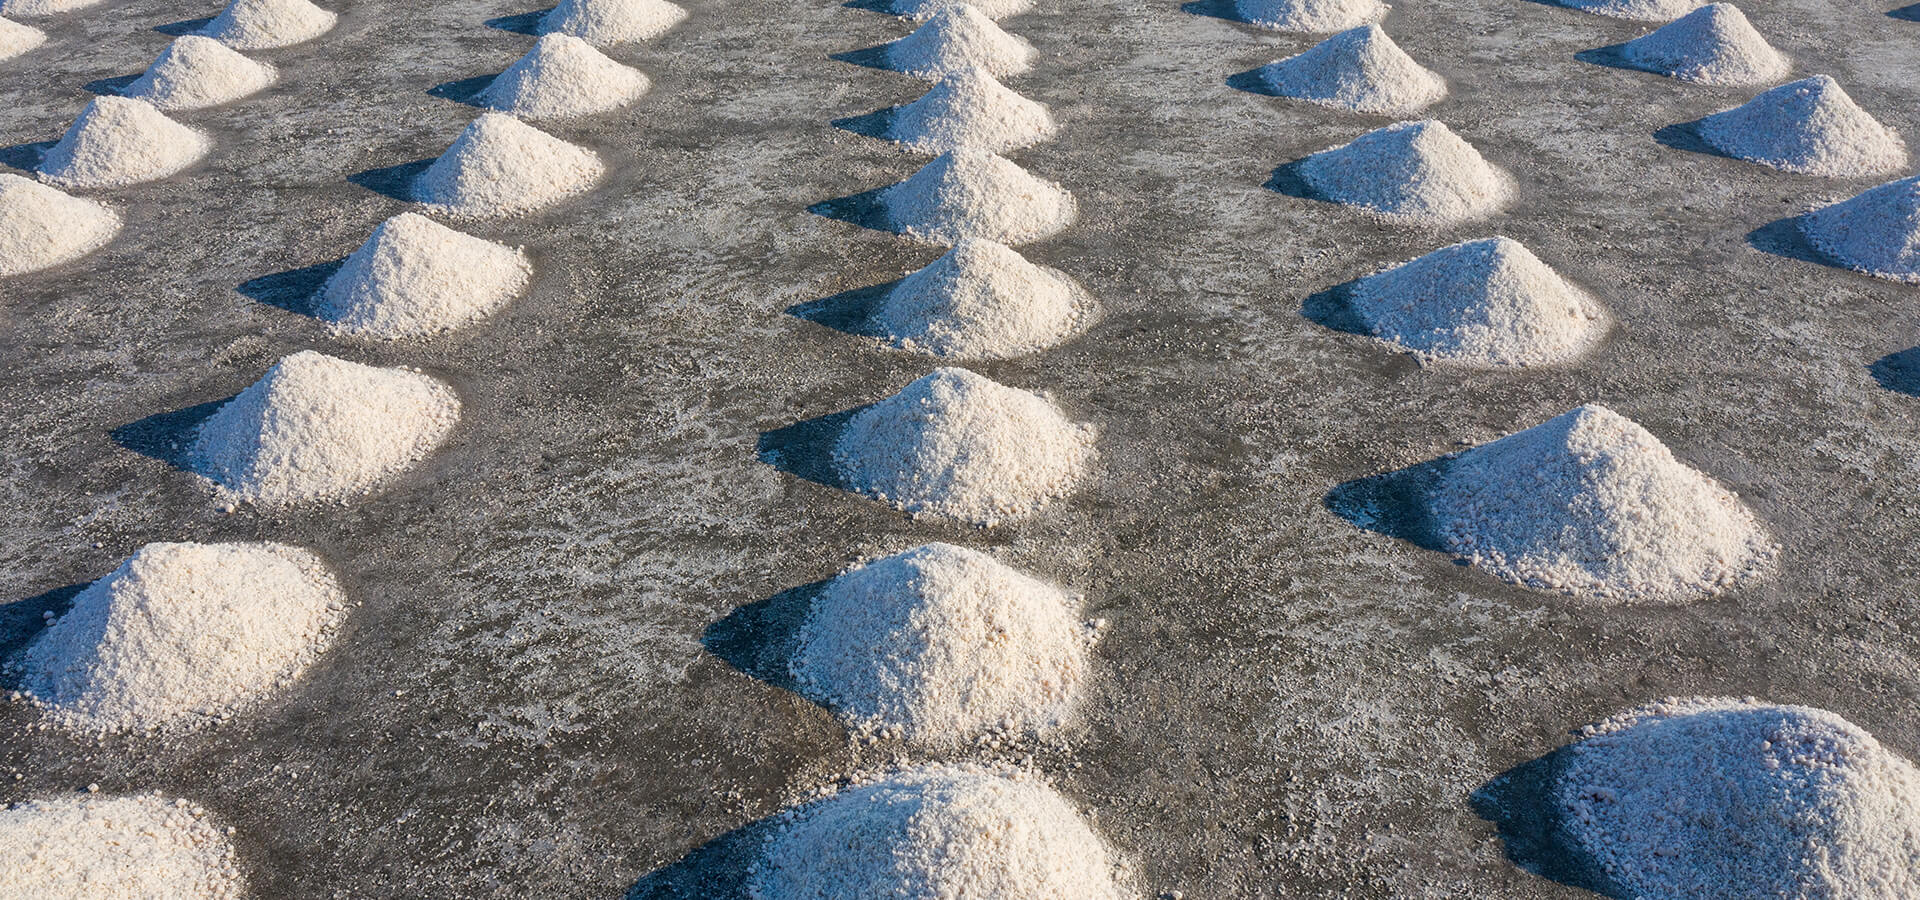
point(521, 704)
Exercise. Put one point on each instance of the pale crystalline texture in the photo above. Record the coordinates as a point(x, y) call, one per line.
point(196, 72)
point(501, 166)
point(266, 24)
point(16, 38)
point(43, 7)
point(934, 833)
point(117, 142)
point(316, 427)
point(1591, 504)
point(606, 23)
point(922, 10)
point(1638, 10)
point(40, 227)
point(1483, 303)
point(973, 193)
point(1808, 126)
point(1310, 15)
point(982, 300)
point(416, 277)
point(90, 847)
point(1714, 44)
point(563, 77)
point(1419, 172)
point(958, 444)
point(1876, 232)
point(956, 38)
point(1362, 70)
point(1714, 797)
point(184, 634)
point(970, 109)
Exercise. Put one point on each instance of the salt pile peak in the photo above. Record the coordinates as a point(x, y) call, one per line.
point(970, 109)
point(501, 166)
point(16, 38)
point(43, 7)
point(563, 77)
point(1418, 172)
point(1361, 69)
point(196, 72)
point(1810, 127)
point(267, 24)
point(1637, 10)
point(982, 300)
point(415, 277)
point(94, 847)
point(1488, 302)
point(41, 227)
point(116, 142)
point(1591, 504)
point(956, 38)
point(1714, 44)
point(1876, 232)
point(1312, 16)
point(922, 10)
point(607, 23)
point(974, 193)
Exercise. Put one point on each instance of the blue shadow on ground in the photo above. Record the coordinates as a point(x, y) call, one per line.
point(717, 870)
point(294, 290)
point(168, 436)
point(22, 620)
point(805, 449)
point(851, 312)
point(1520, 803)
point(1393, 503)
point(1898, 372)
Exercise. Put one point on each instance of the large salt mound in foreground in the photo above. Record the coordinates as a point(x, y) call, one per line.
point(958, 444)
point(1485, 303)
point(91, 847)
point(1638, 10)
point(267, 24)
point(1362, 70)
point(1713, 797)
point(1714, 44)
point(970, 109)
point(937, 832)
point(316, 427)
point(1876, 232)
point(1310, 15)
point(501, 166)
point(16, 38)
point(974, 193)
point(41, 227)
point(1591, 504)
point(196, 72)
point(1809, 126)
point(982, 300)
point(959, 37)
point(606, 23)
point(416, 277)
point(1419, 172)
point(116, 142)
point(564, 77)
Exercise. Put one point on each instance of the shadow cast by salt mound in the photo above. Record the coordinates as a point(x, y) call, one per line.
point(109, 87)
point(864, 209)
point(295, 290)
point(868, 57)
point(168, 436)
point(25, 157)
point(1519, 803)
point(879, 6)
point(1288, 180)
point(1394, 504)
point(1252, 82)
point(762, 638)
point(1783, 238)
point(873, 124)
point(527, 23)
point(1215, 9)
point(1908, 13)
point(1612, 56)
point(1899, 372)
point(1685, 136)
point(393, 181)
point(805, 449)
point(22, 620)
point(852, 312)
point(466, 90)
point(716, 870)
point(1333, 309)
point(181, 29)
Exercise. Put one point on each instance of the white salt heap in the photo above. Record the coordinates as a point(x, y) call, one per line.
point(982, 300)
point(16, 38)
point(40, 227)
point(1310, 15)
point(415, 277)
point(1714, 797)
point(196, 72)
point(563, 77)
point(90, 847)
point(501, 166)
point(316, 427)
point(1420, 172)
point(1876, 232)
point(922, 10)
point(1714, 44)
point(606, 23)
point(970, 109)
point(937, 832)
point(267, 24)
point(974, 193)
point(1639, 10)
point(43, 7)
point(184, 634)
point(1590, 504)
point(117, 142)
point(1489, 302)
point(1362, 70)
point(959, 37)
point(1809, 126)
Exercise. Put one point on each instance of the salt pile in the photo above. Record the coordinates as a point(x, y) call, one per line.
point(316, 427)
point(90, 847)
point(982, 300)
point(1420, 172)
point(1876, 232)
point(970, 109)
point(956, 38)
point(1489, 302)
point(1362, 70)
point(196, 72)
point(605, 23)
point(564, 77)
point(41, 227)
point(1310, 15)
point(1809, 126)
point(1589, 503)
point(935, 832)
point(16, 38)
point(1714, 44)
point(957, 444)
point(922, 10)
point(501, 166)
point(415, 277)
point(1639, 10)
point(117, 142)
point(1714, 797)
point(974, 193)
point(43, 7)
point(266, 24)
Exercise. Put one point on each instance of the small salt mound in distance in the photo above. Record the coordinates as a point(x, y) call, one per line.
point(1484, 303)
point(982, 300)
point(937, 832)
point(1638, 10)
point(1418, 172)
point(40, 227)
point(117, 142)
point(1312, 16)
point(115, 848)
point(922, 10)
point(959, 37)
point(1362, 70)
point(564, 77)
point(43, 7)
point(416, 277)
point(1808, 126)
point(16, 38)
point(1876, 232)
point(316, 427)
point(266, 24)
point(196, 72)
point(1714, 44)
point(974, 193)
point(1715, 797)
point(960, 445)
point(606, 23)
point(970, 109)
point(501, 166)
point(1590, 504)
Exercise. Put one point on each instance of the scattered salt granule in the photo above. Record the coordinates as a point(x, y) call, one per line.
point(935, 832)
point(922, 10)
point(43, 7)
point(1715, 797)
point(1876, 232)
point(196, 72)
point(416, 277)
point(982, 300)
point(1714, 44)
point(960, 445)
point(956, 38)
point(1808, 126)
point(606, 23)
point(1590, 504)
point(501, 166)
point(970, 109)
point(1361, 69)
point(266, 24)
point(1419, 172)
point(140, 847)
point(117, 142)
point(1489, 302)
point(183, 635)
point(974, 193)
point(41, 227)
point(16, 38)
point(564, 77)
point(1310, 15)
point(316, 427)
point(1639, 10)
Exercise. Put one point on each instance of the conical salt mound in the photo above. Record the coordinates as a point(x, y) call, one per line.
point(1638, 10)
point(1311, 16)
point(196, 72)
point(957, 444)
point(970, 109)
point(43, 7)
point(1876, 232)
point(316, 427)
point(501, 166)
point(1714, 44)
point(973, 193)
point(40, 227)
point(982, 300)
point(1591, 504)
point(1362, 70)
point(415, 277)
point(266, 24)
point(1419, 172)
point(97, 847)
point(606, 23)
point(1482, 303)
point(563, 77)
point(956, 38)
point(1809, 126)
point(117, 142)
point(16, 38)
point(923, 10)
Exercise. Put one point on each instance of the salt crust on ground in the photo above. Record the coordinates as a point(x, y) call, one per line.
point(501, 166)
point(41, 227)
point(606, 23)
point(1715, 797)
point(922, 10)
point(970, 109)
point(140, 847)
point(16, 38)
point(1417, 172)
point(116, 142)
point(196, 72)
point(564, 77)
point(958, 444)
point(937, 832)
point(1590, 504)
point(267, 24)
point(1876, 232)
point(1637, 10)
point(315, 427)
point(973, 193)
point(415, 277)
point(1810, 127)
point(43, 7)
point(1714, 44)
point(983, 300)
point(959, 37)
point(1361, 69)
point(182, 635)
point(1488, 302)
point(1314, 16)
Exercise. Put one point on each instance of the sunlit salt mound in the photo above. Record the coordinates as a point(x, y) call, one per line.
point(1712, 45)
point(501, 166)
point(1809, 126)
point(1638, 10)
point(974, 193)
point(1876, 232)
point(1420, 172)
point(606, 23)
point(316, 427)
point(1310, 15)
point(956, 38)
point(40, 227)
point(43, 7)
point(1714, 797)
point(922, 10)
point(1483, 303)
point(970, 109)
point(16, 38)
point(960, 445)
point(937, 832)
point(266, 24)
point(564, 77)
point(982, 300)
point(117, 142)
point(1591, 504)
point(196, 72)
point(93, 847)
point(1362, 70)
point(415, 277)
